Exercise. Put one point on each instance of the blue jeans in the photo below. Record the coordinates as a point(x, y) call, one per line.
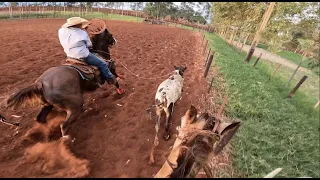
point(101, 64)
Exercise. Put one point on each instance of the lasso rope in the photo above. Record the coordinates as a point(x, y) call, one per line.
point(166, 75)
point(100, 30)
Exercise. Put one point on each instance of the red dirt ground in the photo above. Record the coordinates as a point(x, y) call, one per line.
point(107, 135)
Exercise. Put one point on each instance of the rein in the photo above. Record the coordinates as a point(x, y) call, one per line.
point(134, 73)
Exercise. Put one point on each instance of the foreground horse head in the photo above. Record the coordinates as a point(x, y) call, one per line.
point(196, 144)
point(63, 87)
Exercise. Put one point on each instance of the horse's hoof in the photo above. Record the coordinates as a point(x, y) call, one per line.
point(151, 162)
point(166, 137)
point(120, 91)
point(67, 137)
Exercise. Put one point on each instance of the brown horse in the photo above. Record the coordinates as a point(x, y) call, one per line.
point(63, 86)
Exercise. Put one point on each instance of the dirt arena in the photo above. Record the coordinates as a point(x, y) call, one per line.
point(115, 140)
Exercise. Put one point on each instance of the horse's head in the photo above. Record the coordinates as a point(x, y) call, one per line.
point(107, 38)
point(196, 144)
point(101, 38)
point(181, 69)
point(103, 41)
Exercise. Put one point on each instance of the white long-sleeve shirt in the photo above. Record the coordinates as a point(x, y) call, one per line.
point(75, 42)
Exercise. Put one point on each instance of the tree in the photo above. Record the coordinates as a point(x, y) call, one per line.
point(136, 5)
point(281, 26)
point(88, 6)
point(163, 9)
point(12, 4)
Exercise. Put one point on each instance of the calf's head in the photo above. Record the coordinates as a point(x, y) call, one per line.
point(181, 69)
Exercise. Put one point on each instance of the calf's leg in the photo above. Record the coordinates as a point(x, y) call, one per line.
point(168, 111)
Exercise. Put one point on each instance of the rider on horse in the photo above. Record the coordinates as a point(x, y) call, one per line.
point(76, 44)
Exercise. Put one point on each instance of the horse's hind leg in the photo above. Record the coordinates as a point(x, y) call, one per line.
point(41, 118)
point(72, 114)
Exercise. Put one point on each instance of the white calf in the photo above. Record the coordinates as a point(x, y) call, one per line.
point(168, 92)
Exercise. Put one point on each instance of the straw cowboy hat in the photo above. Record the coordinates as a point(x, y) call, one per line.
point(75, 21)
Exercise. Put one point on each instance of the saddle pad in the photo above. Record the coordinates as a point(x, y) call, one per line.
point(75, 61)
point(86, 69)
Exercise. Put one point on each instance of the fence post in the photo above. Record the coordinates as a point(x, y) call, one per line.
point(257, 60)
point(293, 74)
point(274, 72)
point(208, 65)
point(205, 46)
point(207, 57)
point(202, 38)
point(215, 71)
point(297, 86)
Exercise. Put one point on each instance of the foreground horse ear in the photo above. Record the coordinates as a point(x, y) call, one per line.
point(226, 132)
point(185, 67)
point(190, 116)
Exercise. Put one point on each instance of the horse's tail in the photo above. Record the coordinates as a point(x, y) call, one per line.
point(31, 94)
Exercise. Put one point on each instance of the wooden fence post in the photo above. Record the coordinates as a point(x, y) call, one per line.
point(297, 86)
point(293, 74)
point(263, 25)
point(295, 70)
point(215, 71)
point(205, 46)
point(257, 60)
point(207, 57)
point(274, 72)
point(208, 64)
point(202, 38)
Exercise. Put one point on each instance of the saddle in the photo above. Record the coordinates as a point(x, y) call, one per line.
point(86, 71)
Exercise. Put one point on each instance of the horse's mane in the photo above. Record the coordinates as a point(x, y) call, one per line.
point(196, 149)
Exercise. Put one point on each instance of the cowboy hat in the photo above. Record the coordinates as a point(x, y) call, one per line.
point(74, 21)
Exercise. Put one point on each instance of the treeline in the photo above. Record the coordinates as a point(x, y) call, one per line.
point(292, 25)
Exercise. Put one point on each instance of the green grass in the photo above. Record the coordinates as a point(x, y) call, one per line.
point(275, 132)
point(263, 46)
point(68, 14)
point(260, 45)
point(295, 58)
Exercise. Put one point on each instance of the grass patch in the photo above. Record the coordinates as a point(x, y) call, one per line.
point(295, 58)
point(276, 132)
point(68, 14)
point(263, 46)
